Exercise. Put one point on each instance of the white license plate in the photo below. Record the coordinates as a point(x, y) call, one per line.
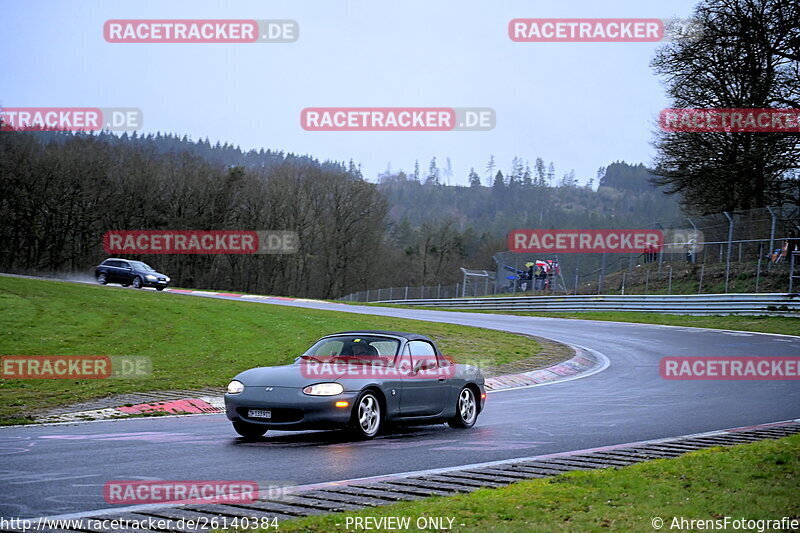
point(259, 413)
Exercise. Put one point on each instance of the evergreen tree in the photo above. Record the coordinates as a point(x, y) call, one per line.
point(499, 183)
point(448, 171)
point(527, 182)
point(541, 174)
point(490, 169)
point(433, 173)
point(474, 179)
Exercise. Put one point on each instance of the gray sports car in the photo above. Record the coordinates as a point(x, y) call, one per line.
point(358, 380)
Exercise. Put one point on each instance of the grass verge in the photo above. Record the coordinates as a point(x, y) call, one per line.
point(753, 481)
point(192, 342)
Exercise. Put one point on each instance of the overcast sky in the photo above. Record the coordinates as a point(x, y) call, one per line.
point(580, 105)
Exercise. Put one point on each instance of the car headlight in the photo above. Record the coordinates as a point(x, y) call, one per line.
point(151, 277)
point(167, 278)
point(235, 387)
point(324, 389)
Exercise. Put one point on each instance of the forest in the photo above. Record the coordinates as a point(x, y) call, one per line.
point(60, 192)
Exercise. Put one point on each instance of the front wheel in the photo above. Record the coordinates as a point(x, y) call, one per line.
point(249, 431)
point(159, 288)
point(137, 282)
point(101, 278)
point(367, 416)
point(466, 410)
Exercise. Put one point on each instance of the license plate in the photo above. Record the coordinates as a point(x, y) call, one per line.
point(259, 413)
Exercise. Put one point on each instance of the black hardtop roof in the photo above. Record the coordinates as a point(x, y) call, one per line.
point(403, 334)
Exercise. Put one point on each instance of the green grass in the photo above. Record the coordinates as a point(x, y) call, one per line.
point(193, 342)
point(754, 481)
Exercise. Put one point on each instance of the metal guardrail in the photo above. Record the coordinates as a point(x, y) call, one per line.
point(785, 304)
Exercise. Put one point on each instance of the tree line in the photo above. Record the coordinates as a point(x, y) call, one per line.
point(59, 193)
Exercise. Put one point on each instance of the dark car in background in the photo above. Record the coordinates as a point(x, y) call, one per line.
point(357, 380)
point(127, 272)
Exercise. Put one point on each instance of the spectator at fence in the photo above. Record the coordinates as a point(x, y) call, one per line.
point(792, 245)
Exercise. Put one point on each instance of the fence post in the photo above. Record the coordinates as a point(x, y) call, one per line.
point(758, 268)
point(669, 285)
point(771, 237)
point(390, 292)
point(367, 300)
point(647, 279)
point(730, 245)
point(702, 271)
point(623, 283)
point(406, 292)
point(602, 273)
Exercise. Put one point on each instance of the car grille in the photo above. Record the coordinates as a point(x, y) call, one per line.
point(278, 415)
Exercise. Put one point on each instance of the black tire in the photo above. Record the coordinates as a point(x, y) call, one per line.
point(102, 279)
point(125, 284)
point(466, 410)
point(137, 282)
point(249, 431)
point(367, 418)
point(159, 288)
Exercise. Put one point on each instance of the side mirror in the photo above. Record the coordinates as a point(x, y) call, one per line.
point(423, 364)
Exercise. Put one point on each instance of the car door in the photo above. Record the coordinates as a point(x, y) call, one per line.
point(424, 390)
point(112, 271)
point(125, 272)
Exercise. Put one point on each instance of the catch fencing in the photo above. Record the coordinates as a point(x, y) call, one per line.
point(782, 304)
point(736, 253)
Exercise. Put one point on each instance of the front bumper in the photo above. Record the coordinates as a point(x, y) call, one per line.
point(154, 283)
point(291, 409)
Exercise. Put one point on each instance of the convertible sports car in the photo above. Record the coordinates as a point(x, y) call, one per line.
point(357, 380)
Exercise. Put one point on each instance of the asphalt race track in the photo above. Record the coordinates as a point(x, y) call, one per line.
point(60, 469)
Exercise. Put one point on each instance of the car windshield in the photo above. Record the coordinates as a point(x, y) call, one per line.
point(143, 266)
point(355, 349)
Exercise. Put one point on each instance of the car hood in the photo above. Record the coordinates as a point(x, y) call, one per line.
point(280, 376)
point(153, 273)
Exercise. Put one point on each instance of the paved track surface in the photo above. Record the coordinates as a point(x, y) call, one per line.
point(58, 469)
